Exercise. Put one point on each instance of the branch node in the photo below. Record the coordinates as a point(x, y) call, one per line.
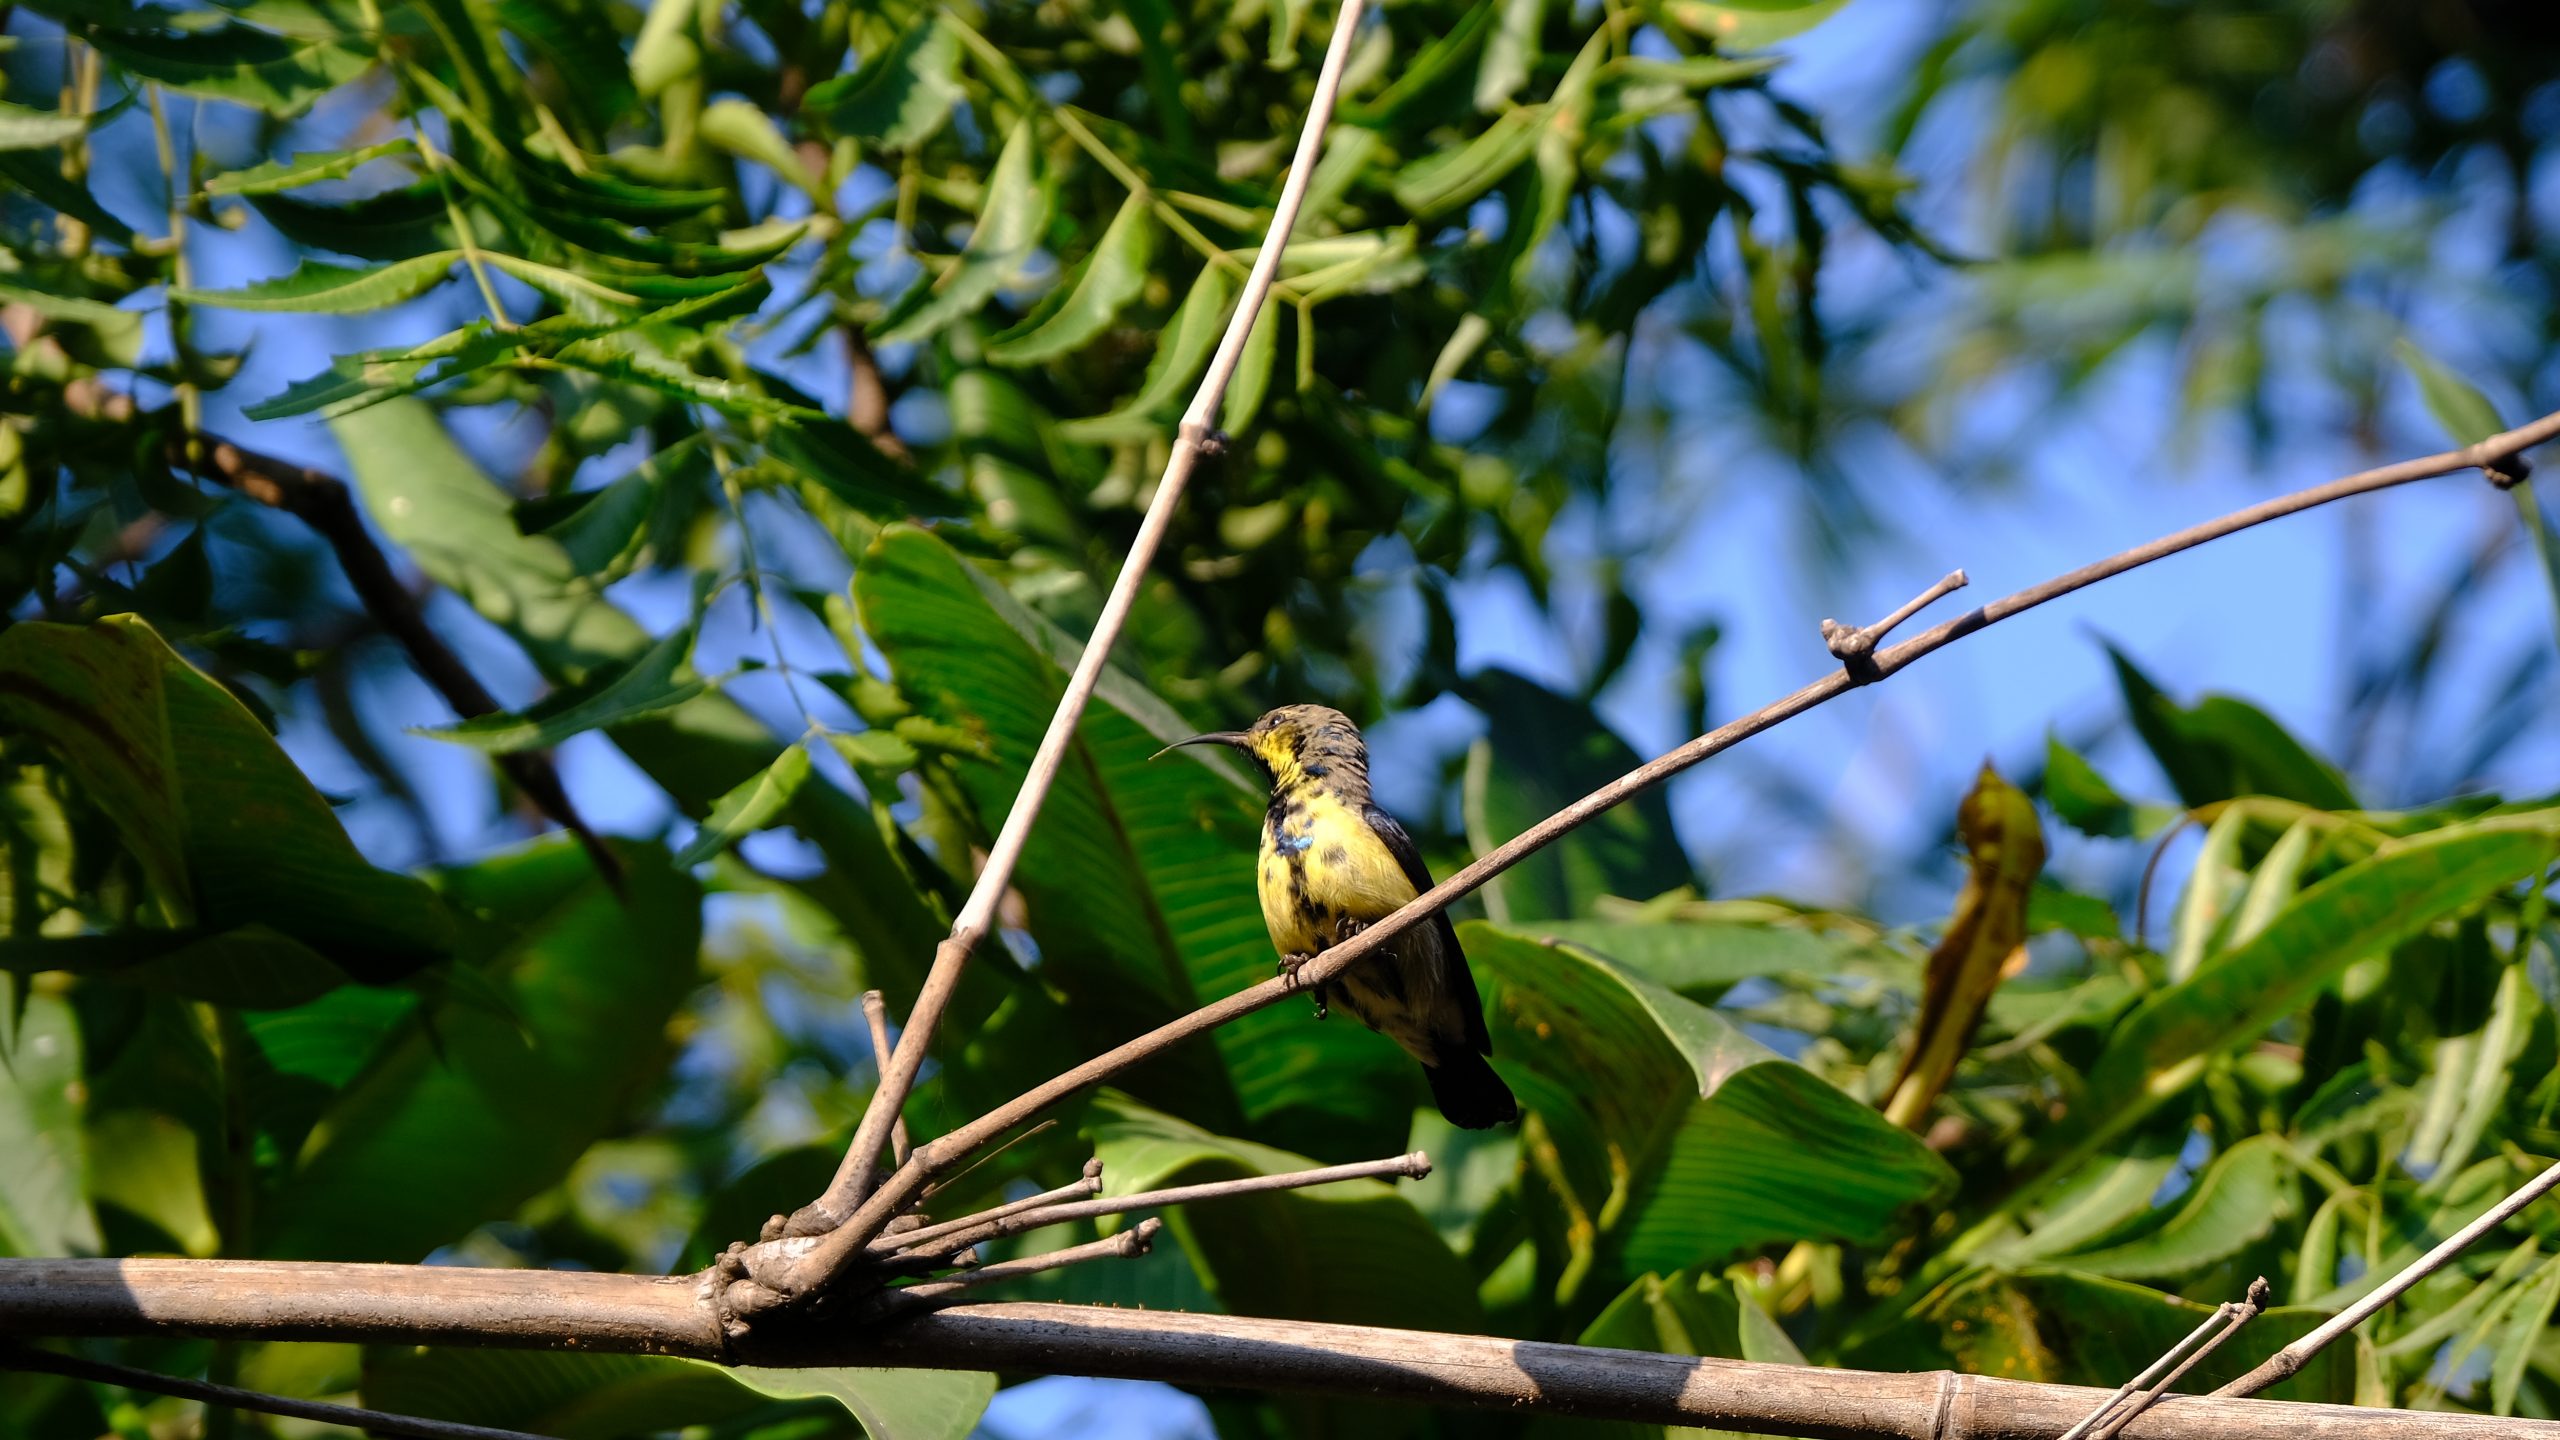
point(2132, 1397)
point(1855, 648)
point(2507, 471)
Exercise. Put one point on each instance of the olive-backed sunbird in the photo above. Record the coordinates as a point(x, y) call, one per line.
point(1333, 862)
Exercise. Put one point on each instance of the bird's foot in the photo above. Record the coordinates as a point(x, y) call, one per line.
point(1290, 965)
point(1346, 927)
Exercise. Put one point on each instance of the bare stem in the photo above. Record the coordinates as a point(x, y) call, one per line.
point(1854, 645)
point(833, 1251)
point(916, 1240)
point(1037, 1211)
point(844, 1196)
point(1137, 1240)
point(2125, 1406)
point(2285, 1362)
point(378, 1422)
point(875, 1013)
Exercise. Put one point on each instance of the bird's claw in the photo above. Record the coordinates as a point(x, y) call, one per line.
point(1290, 965)
point(1346, 927)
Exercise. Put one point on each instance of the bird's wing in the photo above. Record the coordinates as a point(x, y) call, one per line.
point(1462, 980)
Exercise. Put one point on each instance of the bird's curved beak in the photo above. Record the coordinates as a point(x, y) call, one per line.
point(1235, 738)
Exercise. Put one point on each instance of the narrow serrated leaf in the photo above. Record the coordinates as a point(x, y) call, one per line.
point(1111, 277)
point(900, 99)
point(307, 168)
point(748, 808)
point(1179, 357)
point(1008, 230)
point(317, 287)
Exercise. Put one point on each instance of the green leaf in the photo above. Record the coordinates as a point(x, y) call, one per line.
point(2081, 796)
point(1689, 1312)
point(1549, 751)
point(593, 979)
point(1008, 231)
point(852, 469)
point(901, 98)
point(2361, 910)
point(118, 332)
point(1750, 24)
point(38, 174)
point(1510, 52)
point(1446, 179)
point(2456, 403)
point(44, 1205)
point(1689, 1139)
point(1703, 959)
point(249, 967)
point(1355, 1253)
point(2528, 1322)
point(746, 131)
point(1112, 276)
point(749, 808)
point(317, 287)
point(1252, 379)
point(2235, 1203)
point(22, 128)
point(308, 167)
point(1180, 357)
point(224, 826)
point(659, 680)
point(2223, 747)
point(891, 1404)
point(2101, 1201)
point(240, 63)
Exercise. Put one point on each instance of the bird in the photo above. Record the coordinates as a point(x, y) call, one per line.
point(1332, 863)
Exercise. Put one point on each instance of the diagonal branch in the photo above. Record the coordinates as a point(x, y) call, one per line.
point(835, 1250)
point(1195, 438)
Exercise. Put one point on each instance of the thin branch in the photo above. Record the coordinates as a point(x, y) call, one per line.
point(843, 1199)
point(875, 1013)
point(804, 1268)
point(2285, 1362)
point(1032, 1214)
point(379, 1422)
point(324, 503)
point(917, 1239)
point(2125, 1406)
point(1856, 647)
point(1135, 1241)
point(631, 1314)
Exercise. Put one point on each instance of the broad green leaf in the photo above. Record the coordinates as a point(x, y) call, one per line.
point(251, 967)
point(2223, 747)
point(1510, 52)
point(308, 167)
point(318, 287)
point(1110, 277)
point(1694, 1141)
point(2363, 909)
point(749, 808)
point(2235, 1203)
point(1701, 959)
point(1355, 1253)
point(2057, 1327)
point(240, 63)
point(901, 98)
point(891, 1404)
point(2089, 1207)
point(147, 1165)
point(224, 825)
point(22, 128)
point(1180, 356)
point(592, 979)
point(44, 1204)
point(658, 681)
point(1689, 1312)
point(1549, 751)
point(460, 528)
point(2082, 796)
point(1008, 230)
point(853, 470)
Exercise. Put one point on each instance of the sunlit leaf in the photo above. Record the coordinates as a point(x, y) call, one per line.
point(321, 288)
point(1181, 354)
point(901, 98)
point(1111, 277)
point(308, 167)
point(657, 681)
point(748, 808)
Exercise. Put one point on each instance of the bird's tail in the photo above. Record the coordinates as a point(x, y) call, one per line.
point(1469, 1094)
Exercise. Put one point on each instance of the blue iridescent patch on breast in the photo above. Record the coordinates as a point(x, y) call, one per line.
point(1295, 842)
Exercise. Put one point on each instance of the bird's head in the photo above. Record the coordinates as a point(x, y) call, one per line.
point(1295, 743)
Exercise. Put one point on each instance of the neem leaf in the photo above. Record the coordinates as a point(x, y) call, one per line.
point(308, 167)
point(1008, 231)
point(23, 128)
point(748, 808)
point(317, 287)
point(2456, 403)
point(900, 99)
point(659, 680)
point(1111, 277)
point(1180, 356)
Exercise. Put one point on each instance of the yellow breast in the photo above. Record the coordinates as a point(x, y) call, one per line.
point(1321, 863)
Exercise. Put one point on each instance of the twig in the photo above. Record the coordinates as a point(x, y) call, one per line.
point(379, 1422)
point(644, 1315)
point(2225, 1321)
point(1856, 648)
point(1137, 1240)
point(324, 503)
point(945, 1150)
point(2285, 1362)
point(915, 1239)
point(842, 1203)
point(1026, 1215)
point(875, 1012)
